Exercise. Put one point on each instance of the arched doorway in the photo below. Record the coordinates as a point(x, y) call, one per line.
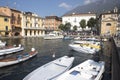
point(17, 33)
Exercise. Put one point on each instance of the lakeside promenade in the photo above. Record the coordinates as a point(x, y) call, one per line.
point(116, 59)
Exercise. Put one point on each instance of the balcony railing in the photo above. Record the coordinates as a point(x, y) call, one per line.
point(37, 28)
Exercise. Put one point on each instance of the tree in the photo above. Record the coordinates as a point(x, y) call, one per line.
point(82, 23)
point(67, 26)
point(75, 28)
point(92, 23)
point(61, 26)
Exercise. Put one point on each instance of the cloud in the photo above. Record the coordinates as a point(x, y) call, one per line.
point(65, 5)
point(89, 1)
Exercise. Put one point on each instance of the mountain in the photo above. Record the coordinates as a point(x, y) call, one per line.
point(98, 7)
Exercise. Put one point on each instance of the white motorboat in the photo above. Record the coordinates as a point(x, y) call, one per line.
point(51, 70)
point(10, 49)
point(84, 47)
point(92, 39)
point(2, 43)
point(19, 58)
point(53, 35)
point(88, 70)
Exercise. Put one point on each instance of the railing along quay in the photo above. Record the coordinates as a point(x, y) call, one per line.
point(115, 61)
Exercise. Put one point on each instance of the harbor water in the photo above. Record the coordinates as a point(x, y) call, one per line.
point(46, 49)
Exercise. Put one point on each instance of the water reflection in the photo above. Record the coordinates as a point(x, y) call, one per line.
point(46, 48)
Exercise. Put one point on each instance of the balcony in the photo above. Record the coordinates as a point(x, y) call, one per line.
point(35, 28)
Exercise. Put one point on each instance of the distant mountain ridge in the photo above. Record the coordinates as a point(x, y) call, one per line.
point(97, 7)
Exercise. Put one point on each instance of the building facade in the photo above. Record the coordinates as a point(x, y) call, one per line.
point(109, 23)
point(74, 19)
point(5, 19)
point(5, 27)
point(16, 18)
point(32, 25)
point(51, 23)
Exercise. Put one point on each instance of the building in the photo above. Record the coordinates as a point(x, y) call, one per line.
point(5, 27)
point(32, 25)
point(5, 17)
point(74, 19)
point(118, 25)
point(109, 23)
point(16, 18)
point(51, 23)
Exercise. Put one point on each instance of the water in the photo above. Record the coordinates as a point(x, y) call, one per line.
point(46, 49)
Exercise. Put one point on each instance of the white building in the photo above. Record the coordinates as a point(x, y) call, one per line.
point(74, 19)
point(32, 25)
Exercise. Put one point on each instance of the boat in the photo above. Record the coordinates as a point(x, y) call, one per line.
point(84, 47)
point(88, 70)
point(53, 35)
point(67, 37)
point(51, 70)
point(17, 59)
point(92, 39)
point(10, 49)
point(2, 43)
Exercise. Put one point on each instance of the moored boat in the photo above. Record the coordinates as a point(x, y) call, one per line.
point(53, 35)
point(19, 58)
point(10, 49)
point(51, 70)
point(88, 70)
point(85, 47)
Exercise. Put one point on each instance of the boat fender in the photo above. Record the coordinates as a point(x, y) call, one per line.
point(32, 49)
point(20, 45)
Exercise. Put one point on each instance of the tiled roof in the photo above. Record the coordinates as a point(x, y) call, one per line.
point(3, 14)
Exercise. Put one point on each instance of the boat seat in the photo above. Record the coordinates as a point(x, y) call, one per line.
point(26, 54)
point(75, 72)
point(19, 56)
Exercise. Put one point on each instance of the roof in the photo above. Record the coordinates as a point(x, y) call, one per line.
point(3, 14)
point(80, 14)
point(15, 10)
point(53, 17)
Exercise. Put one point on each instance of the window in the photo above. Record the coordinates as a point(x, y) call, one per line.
point(6, 28)
point(75, 20)
point(6, 19)
point(108, 24)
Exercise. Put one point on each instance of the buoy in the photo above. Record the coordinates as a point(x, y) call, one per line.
point(53, 55)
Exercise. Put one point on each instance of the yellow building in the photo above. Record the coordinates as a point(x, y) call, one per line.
point(109, 23)
point(5, 26)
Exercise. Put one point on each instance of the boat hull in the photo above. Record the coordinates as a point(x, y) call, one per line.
point(81, 49)
point(88, 70)
point(11, 50)
point(8, 63)
point(51, 70)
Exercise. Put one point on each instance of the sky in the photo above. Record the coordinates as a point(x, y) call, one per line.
point(45, 7)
